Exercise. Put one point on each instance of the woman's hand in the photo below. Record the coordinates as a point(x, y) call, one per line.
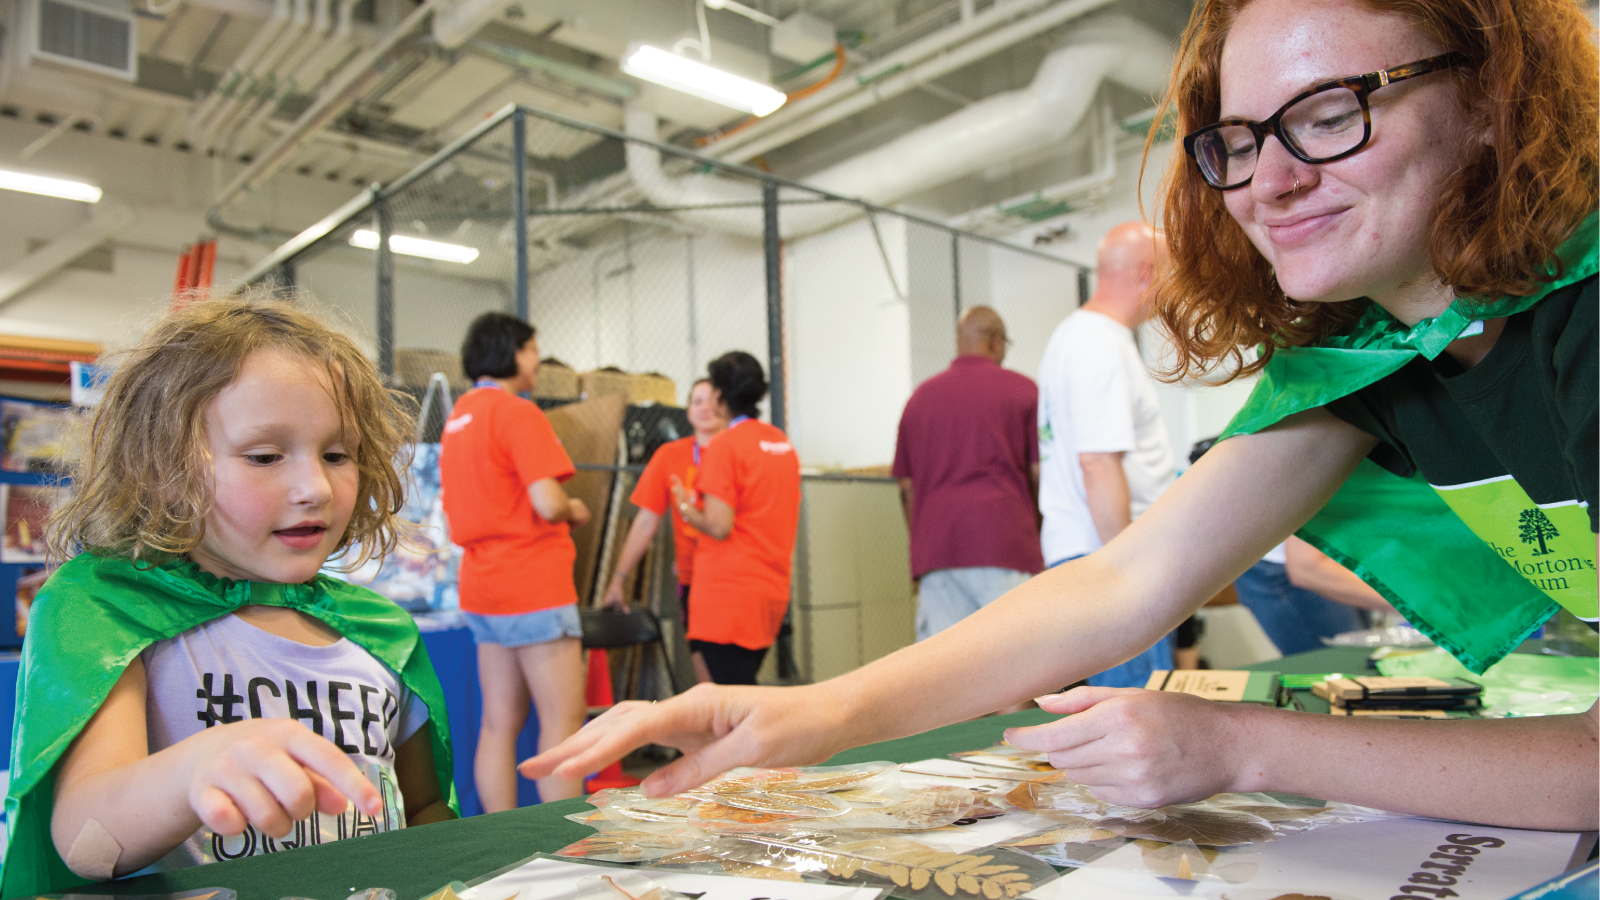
point(271, 773)
point(1140, 748)
point(577, 512)
point(613, 597)
point(680, 494)
point(717, 727)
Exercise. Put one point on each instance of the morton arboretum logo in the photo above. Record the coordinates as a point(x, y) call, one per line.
point(1534, 527)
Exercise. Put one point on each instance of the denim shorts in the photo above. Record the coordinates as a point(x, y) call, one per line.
point(519, 630)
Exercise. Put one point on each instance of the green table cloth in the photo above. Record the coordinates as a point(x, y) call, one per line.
point(414, 862)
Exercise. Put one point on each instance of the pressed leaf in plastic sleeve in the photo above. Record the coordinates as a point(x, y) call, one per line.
point(1005, 756)
point(1205, 826)
point(634, 845)
point(820, 779)
point(924, 808)
point(917, 870)
point(797, 804)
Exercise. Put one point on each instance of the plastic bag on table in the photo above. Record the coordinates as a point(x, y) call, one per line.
point(641, 843)
point(809, 779)
point(916, 869)
point(1219, 821)
point(629, 806)
point(1005, 756)
point(922, 808)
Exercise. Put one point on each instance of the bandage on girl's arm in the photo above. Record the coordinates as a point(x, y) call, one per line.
point(119, 808)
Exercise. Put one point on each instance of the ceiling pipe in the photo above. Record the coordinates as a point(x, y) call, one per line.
point(1003, 217)
point(233, 79)
point(991, 31)
point(1004, 126)
point(284, 81)
point(341, 92)
point(259, 77)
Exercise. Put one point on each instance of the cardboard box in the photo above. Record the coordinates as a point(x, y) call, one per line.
point(556, 380)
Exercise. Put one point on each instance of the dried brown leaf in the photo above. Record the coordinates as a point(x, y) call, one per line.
point(899, 874)
point(969, 883)
point(1207, 827)
point(969, 863)
point(946, 882)
point(993, 890)
point(919, 878)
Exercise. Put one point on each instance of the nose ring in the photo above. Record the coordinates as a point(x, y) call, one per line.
point(1296, 183)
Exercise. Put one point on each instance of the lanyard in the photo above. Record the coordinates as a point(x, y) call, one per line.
point(736, 421)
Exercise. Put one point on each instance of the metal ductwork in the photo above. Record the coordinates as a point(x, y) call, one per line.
point(1102, 47)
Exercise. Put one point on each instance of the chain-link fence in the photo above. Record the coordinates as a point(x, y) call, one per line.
point(640, 261)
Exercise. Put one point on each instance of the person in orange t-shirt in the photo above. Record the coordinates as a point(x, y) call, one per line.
point(749, 478)
point(501, 468)
point(653, 496)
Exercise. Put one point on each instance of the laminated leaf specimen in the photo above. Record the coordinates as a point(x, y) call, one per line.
point(625, 845)
point(1004, 756)
point(933, 806)
point(1207, 827)
point(917, 870)
point(1070, 834)
point(821, 779)
point(798, 804)
point(1223, 820)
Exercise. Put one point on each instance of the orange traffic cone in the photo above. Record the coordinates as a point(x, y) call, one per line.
point(598, 693)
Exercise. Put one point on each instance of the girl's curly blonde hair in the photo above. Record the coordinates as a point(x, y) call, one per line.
point(142, 484)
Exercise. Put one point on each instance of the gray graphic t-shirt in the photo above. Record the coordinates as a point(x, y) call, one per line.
point(228, 670)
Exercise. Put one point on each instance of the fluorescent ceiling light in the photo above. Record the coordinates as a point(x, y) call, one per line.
point(49, 187)
point(701, 80)
point(410, 246)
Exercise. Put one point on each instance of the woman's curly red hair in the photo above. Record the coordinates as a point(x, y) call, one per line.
point(1529, 80)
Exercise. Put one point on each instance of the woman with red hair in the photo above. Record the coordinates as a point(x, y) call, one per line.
point(1394, 200)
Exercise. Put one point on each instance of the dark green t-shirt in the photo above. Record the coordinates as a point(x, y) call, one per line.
point(1511, 444)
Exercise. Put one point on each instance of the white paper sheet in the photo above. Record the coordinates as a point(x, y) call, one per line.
point(543, 878)
point(1360, 861)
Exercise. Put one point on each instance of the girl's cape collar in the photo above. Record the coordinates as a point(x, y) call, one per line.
point(96, 613)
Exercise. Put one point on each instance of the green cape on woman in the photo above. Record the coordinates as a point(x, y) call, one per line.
point(1397, 533)
point(96, 614)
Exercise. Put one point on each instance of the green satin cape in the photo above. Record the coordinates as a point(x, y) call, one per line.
point(96, 614)
point(1396, 533)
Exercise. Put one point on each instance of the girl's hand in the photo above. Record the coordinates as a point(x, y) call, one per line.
point(271, 773)
point(1141, 748)
point(718, 728)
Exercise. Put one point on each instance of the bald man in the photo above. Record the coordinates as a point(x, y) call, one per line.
point(968, 467)
point(1104, 455)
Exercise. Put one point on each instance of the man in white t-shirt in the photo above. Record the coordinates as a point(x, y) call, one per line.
point(1104, 455)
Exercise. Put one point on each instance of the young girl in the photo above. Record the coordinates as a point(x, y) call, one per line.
point(192, 690)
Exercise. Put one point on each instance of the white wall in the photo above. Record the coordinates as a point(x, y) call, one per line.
point(849, 342)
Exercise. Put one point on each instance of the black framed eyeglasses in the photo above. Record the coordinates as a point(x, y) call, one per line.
point(1327, 123)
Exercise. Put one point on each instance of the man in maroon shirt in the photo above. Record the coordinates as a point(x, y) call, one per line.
point(967, 459)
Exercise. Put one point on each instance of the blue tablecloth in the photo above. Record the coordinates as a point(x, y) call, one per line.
point(455, 659)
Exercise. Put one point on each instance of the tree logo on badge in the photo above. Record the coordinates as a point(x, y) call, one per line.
point(1536, 527)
